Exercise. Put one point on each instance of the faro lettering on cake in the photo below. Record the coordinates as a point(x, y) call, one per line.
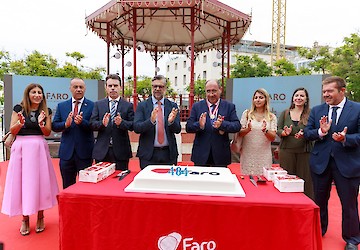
point(182, 171)
point(172, 242)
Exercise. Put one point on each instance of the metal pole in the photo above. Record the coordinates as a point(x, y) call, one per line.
point(191, 95)
point(135, 95)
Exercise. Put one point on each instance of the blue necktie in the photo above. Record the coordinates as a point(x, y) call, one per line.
point(333, 118)
point(113, 109)
point(334, 114)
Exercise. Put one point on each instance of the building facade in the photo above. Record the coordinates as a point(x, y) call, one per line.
point(207, 64)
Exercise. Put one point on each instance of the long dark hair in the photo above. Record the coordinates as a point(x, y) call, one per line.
point(306, 111)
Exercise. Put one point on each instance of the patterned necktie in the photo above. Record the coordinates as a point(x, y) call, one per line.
point(160, 124)
point(212, 115)
point(76, 107)
point(113, 109)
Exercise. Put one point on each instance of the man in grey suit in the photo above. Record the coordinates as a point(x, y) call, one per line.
point(335, 128)
point(112, 117)
point(157, 121)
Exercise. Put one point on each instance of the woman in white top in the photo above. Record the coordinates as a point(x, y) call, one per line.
point(258, 130)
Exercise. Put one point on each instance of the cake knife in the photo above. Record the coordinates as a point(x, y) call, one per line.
point(122, 174)
point(252, 180)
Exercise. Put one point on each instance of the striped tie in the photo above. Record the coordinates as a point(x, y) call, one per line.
point(113, 109)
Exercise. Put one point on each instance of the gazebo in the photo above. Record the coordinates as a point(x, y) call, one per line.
point(169, 26)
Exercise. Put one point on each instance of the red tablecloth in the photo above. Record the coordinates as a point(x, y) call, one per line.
point(102, 216)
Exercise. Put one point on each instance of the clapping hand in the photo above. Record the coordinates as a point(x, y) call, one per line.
point(339, 136)
point(172, 115)
point(78, 118)
point(106, 119)
point(41, 118)
point(69, 120)
point(263, 128)
point(154, 115)
point(287, 130)
point(218, 121)
point(118, 119)
point(202, 120)
point(21, 119)
point(299, 134)
point(324, 124)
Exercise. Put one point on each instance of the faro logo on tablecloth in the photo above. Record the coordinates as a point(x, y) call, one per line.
point(172, 241)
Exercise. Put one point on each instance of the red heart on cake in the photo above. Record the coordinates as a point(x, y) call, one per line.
point(161, 170)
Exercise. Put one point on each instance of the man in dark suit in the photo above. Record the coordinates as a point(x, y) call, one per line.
point(212, 120)
point(157, 143)
point(77, 140)
point(335, 128)
point(113, 117)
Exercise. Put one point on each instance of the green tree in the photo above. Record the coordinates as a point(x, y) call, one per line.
point(283, 67)
point(247, 66)
point(128, 88)
point(143, 86)
point(37, 64)
point(320, 55)
point(75, 55)
point(4, 64)
point(346, 63)
point(199, 88)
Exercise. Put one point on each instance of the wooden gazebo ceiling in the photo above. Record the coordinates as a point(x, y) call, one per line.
point(164, 26)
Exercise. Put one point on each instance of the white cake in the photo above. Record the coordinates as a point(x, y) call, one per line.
point(97, 172)
point(288, 183)
point(186, 180)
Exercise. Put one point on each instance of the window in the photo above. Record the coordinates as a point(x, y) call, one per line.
point(168, 68)
point(204, 75)
point(204, 59)
point(175, 80)
point(184, 64)
point(184, 80)
point(175, 66)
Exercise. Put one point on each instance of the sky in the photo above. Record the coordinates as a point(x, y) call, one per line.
point(57, 27)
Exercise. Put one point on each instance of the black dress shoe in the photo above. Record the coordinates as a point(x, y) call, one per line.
point(350, 246)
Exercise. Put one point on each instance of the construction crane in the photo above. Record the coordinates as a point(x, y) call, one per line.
point(278, 30)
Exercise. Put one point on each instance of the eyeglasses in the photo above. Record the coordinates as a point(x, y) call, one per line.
point(158, 86)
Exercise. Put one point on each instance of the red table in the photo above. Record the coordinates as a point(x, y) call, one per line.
point(102, 216)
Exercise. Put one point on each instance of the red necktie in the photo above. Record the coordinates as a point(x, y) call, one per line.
point(76, 108)
point(160, 124)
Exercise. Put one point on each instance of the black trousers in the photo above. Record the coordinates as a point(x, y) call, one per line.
point(348, 191)
point(110, 157)
point(70, 168)
point(210, 162)
point(161, 156)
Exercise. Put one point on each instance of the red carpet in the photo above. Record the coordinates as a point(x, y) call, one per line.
point(49, 239)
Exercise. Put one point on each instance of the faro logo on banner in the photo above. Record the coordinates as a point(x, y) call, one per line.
point(172, 241)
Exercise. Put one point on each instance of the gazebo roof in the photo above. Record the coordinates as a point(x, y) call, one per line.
point(164, 26)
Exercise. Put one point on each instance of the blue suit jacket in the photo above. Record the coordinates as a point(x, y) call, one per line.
point(210, 139)
point(119, 134)
point(144, 127)
point(76, 138)
point(347, 154)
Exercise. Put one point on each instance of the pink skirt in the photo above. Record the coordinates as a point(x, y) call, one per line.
point(30, 180)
